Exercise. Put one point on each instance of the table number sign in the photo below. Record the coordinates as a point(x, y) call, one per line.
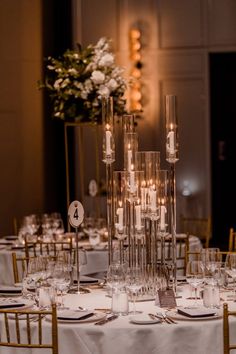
point(75, 213)
point(165, 298)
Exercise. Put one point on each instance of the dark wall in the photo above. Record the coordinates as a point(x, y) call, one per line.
point(57, 37)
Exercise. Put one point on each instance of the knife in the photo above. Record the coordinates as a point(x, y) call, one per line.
point(108, 319)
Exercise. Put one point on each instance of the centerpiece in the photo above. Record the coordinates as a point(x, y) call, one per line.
point(78, 79)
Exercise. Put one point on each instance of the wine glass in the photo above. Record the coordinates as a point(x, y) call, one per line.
point(211, 258)
point(230, 268)
point(115, 276)
point(133, 283)
point(195, 276)
point(61, 280)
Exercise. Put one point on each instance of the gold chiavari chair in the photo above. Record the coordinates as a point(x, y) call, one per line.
point(226, 313)
point(232, 240)
point(200, 227)
point(182, 243)
point(44, 248)
point(18, 333)
point(19, 265)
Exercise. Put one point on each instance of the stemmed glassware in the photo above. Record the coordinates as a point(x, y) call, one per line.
point(134, 283)
point(230, 268)
point(195, 276)
point(61, 280)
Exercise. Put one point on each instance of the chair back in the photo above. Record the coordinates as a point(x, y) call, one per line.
point(232, 239)
point(18, 331)
point(182, 247)
point(200, 227)
point(44, 248)
point(19, 266)
point(226, 313)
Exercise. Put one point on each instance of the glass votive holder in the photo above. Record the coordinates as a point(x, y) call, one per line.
point(211, 296)
point(119, 302)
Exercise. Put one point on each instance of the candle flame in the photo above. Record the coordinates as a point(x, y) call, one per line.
point(120, 203)
point(107, 127)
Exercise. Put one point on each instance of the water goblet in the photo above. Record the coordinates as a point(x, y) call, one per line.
point(195, 276)
point(133, 283)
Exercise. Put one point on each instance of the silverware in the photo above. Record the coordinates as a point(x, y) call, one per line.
point(166, 318)
point(108, 319)
point(154, 317)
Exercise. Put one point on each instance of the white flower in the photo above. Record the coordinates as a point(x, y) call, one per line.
point(97, 77)
point(84, 95)
point(88, 85)
point(104, 91)
point(57, 84)
point(106, 60)
point(72, 71)
point(112, 84)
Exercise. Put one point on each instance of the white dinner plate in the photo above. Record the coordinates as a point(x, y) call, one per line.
point(11, 237)
point(25, 304)
point(177, 316)
point(6, 290)
point(143, 319)
point(96, 317)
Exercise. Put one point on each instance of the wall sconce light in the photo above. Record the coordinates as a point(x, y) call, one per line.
point(135, 94)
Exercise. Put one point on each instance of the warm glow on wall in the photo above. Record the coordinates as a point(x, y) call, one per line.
point(135, 95)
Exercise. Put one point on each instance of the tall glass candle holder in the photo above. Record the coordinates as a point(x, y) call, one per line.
point(172, 144)
point(108, 133)
point(108, 159)
point(128, 123)
point(172, 156)
point(130, 149)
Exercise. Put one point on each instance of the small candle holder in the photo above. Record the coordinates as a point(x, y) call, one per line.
point(172, 143)
point(130, 149)
point(119, 204)
point(108, 145)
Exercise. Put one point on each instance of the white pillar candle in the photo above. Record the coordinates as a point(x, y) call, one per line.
point(120, 214)
point(138, 224)
point(129, 159)
point(153, 196)
point(143, 198)
point(162, 218)
point(171, 138)
point(132, 182)
point(108, 142)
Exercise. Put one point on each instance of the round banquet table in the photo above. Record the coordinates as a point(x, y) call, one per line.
point(97, 260)
point(121, 336)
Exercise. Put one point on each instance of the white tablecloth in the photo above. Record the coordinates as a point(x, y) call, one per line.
point(121, 336)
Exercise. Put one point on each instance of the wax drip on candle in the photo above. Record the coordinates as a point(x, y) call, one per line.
point(171, 142)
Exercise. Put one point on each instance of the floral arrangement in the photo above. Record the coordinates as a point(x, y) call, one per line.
point(78, 79)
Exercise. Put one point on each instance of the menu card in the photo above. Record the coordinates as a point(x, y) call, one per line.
point(166, 298)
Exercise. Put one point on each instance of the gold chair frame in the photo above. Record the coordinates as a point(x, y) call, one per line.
point(38, 315)
point(200, 227)
point(226, 313)
point(47, 248)
point(232, 239)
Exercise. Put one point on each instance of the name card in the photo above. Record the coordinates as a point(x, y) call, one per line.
point(165, 298)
